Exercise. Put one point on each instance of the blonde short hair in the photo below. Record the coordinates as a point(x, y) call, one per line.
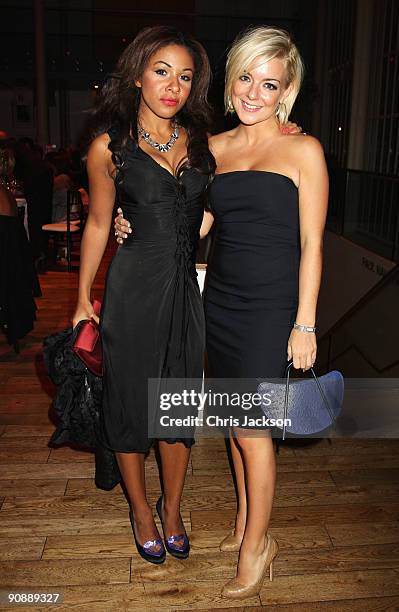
point(268, 43)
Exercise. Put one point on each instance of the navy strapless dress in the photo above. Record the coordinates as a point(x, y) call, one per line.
point(152, 322)
point(251, 296)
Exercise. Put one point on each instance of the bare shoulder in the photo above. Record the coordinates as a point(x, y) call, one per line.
point(99, 146)
point(99, 156)
point(306, 145)
point(219, 142)
point(303, 151)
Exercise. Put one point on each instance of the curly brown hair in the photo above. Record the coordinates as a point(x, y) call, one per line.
point(119, 100)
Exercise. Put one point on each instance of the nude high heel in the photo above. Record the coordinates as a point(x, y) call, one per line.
point(235, 590)
point(230, 543)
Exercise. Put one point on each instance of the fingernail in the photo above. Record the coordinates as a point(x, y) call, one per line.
point(130, 230)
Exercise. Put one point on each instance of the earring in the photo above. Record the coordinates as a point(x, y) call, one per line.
point(281, 108)
point(230, 107)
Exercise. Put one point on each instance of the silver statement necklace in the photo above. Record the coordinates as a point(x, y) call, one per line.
point(162, 148)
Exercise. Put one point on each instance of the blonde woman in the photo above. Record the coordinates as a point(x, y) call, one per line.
point(268, 201)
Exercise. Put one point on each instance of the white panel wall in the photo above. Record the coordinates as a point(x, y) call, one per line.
point(349, 272)
point(79, 102)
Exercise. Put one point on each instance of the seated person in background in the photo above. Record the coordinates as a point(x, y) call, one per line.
point(18, 279)
point(62, 182)
point(37, 178)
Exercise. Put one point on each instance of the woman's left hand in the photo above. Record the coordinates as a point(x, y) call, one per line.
point(302, 349)
point(122, 227)
point(290, 128)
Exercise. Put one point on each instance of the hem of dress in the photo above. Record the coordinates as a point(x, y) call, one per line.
point(146, 450)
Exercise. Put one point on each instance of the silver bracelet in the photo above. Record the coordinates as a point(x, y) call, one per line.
point(304, 328)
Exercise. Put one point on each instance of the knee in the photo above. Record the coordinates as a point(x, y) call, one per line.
point(252, 443)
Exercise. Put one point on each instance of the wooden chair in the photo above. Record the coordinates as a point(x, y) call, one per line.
point(70, 227)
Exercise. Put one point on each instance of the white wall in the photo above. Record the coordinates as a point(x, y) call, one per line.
point(8, 118)
point(79, 102)
point(349, 272)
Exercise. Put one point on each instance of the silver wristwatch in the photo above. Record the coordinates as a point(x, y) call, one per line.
point(304, 328)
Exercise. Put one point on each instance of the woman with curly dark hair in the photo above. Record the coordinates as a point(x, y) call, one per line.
point(152, 323)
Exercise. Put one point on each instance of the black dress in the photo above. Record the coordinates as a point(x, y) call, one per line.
point(251, 296)
point(152, 322)
point(18, 280)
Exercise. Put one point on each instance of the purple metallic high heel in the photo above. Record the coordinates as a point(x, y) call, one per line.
point(181, 550)
point(152, 557)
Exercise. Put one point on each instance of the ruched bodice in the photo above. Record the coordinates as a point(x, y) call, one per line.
point(159, 206)
point(152, 318)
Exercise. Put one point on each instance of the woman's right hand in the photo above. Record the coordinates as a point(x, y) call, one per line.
point(84, 311)
point(122, 227)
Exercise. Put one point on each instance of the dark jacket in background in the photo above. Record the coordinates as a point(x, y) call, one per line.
point(37, 177)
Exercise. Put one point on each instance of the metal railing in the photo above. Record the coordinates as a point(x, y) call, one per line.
point(364, 207)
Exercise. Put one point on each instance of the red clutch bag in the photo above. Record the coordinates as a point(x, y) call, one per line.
point(87, 345)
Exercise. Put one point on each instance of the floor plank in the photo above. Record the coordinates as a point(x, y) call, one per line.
point(347, 558)
point(304, 588)
point(380, 604)
point(58, 573)
point(21, 548)
point(66, 453)
point(40, 442)
point(22, 454)
point(298, 537)
point(286, 464)
point(304, 515)
point(348, 446)
point(32, 488)
point(38, 471)
point(21, 524)
point(364, 533)
point(177, 595)
point(99, 598)
point(362, 476)
point(22, 431)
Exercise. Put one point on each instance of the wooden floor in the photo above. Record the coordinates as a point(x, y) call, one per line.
point(336, 514)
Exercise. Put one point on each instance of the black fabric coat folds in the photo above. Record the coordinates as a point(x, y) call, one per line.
point(78, 404)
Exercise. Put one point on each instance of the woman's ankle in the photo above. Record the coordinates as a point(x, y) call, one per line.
point(170, 508)
point(240, 524)
point(141, 511)
point(254, 547)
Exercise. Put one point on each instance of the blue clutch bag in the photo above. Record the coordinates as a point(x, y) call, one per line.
point(309, 406)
